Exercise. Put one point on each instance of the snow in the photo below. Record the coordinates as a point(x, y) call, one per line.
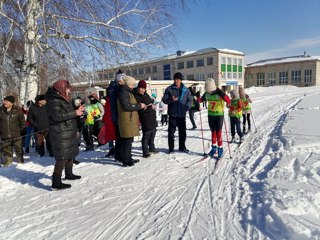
point(269, 189)
point(284, 60)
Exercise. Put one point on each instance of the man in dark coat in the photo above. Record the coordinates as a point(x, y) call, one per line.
point(12, 123)
point(179, 99)
point(148, 119)
point(38, 118)
point(63, 131)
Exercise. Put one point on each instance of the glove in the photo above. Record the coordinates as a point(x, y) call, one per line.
point(247, 96)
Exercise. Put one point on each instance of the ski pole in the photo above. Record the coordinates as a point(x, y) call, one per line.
point(225, 126)
point(254, 123)
point(204, 153)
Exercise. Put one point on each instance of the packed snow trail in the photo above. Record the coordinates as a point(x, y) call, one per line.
point(159, 198)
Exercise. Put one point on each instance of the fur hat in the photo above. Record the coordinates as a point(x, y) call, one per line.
point(142, 84)
point(210, 85)
point(39, 98)
point(178, 75)
point(129, 81)
point(10, 98)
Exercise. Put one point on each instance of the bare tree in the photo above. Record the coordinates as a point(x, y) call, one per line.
point(83, 33)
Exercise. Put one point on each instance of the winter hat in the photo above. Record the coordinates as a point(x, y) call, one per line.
point(178, 75)
point(103, 101)
point(39, 98)
point(94, 95)
point(61, 86)
point(234, 94)
point(129, 81)
point(210, 85)
point(142, 84)
point(10, 98)
point(154, 95)
point(119, 76)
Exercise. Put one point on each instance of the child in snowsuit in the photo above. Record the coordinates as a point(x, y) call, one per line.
point(215, 98)
point(246, 111)
point(235, 113)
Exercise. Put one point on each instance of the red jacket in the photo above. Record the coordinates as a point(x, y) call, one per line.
point(109, 127)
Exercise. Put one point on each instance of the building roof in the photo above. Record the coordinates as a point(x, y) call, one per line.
point(298, 58)
point(183, 54)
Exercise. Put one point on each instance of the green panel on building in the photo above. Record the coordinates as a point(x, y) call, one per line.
point(240, 69)
point(228, 68)
point(223, 67)
point(234, 68)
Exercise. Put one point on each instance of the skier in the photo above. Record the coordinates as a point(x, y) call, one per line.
point(246, 111)
point(215, 98)
point(235, 113)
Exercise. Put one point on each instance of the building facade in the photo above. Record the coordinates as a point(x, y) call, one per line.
point(224, 65)
point(300, 71)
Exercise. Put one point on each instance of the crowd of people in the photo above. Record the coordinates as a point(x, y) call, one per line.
point(57, 122)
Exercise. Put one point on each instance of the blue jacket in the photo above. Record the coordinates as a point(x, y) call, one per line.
point(181, 107)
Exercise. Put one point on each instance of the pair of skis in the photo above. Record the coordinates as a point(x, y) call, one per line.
point(205, 157)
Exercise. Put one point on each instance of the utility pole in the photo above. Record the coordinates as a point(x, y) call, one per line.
point(29, 82)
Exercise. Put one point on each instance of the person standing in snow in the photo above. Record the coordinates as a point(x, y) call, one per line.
point(163, 110)
point(113, 91)
point(179, 99)
point(246, 111)
point(148, 119)
point(38, 118)
point(12, 123)
point(97, 113)
point(128, 119)
point(216, 99)
point(63, 131)
point(235, 113)
point(195, 107)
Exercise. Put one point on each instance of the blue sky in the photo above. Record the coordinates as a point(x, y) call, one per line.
point(259, 28)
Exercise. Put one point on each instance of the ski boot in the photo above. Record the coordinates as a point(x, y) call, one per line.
point(213, 151)
point(220, 152)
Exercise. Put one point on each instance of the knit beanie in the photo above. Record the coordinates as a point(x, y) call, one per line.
point(129, 81)
point(178, 75)
point(210, 85)
point(142, 84)
point(10, 98)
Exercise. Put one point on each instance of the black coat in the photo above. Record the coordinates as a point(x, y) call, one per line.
point(38, 117)
point(62, 126)
point(147, 117)
point(11, 123)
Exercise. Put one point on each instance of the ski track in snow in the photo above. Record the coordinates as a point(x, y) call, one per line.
point(159, 198)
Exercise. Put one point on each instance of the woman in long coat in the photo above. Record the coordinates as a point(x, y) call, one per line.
point(63, 131)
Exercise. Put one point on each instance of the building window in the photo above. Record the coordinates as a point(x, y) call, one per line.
point(190, 77)
point(128, 72)
point(141, 71)
point(229, 61)
point(240, 75)
point(134, 72)
point(200, 62)
point(166, 72)
point(180, 65)
point(210, 61)
point(240, 62)
point(200, 76)
point(272, 80)
point(307, 75)
point(148, 70)
point(283, 77)
point(210, 75)
point(190, 64)
point(296, 76)
point(105, 76)
point(260, 79)
point(154, 69)
point(223, 60)
point(234, 75)
point(235, 61)
point(110, 75)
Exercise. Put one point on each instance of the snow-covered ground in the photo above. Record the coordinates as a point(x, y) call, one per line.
point(269, 189)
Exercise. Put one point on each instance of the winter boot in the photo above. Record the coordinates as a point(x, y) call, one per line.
point(213, 151)
point(57, 184)
point(244, 129)
point(233, 139)
point(110, 153)
point(241, 140)
point(220, 152)
point(68, 171)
